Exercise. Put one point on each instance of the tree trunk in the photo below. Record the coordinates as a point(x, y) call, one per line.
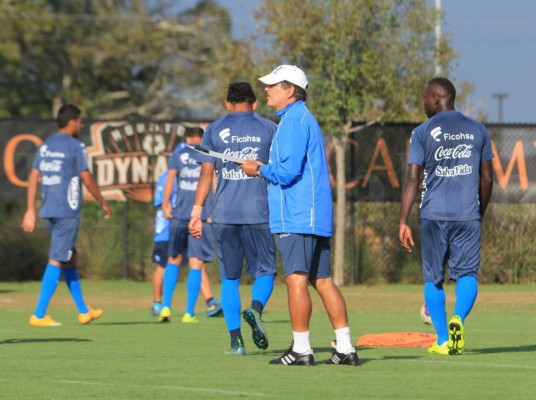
point(339, 145)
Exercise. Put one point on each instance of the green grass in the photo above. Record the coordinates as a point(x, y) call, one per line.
point(128, 355)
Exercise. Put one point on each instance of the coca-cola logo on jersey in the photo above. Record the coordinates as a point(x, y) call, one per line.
point(460, 151)
point(247, 152)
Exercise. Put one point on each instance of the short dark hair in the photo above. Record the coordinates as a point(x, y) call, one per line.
point(66, 113)
point(196, 131)
point(447, 86)
point(299, 92)
point(240, 92)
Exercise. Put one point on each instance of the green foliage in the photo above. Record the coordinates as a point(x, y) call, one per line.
point(364, 59)
point(112, 58)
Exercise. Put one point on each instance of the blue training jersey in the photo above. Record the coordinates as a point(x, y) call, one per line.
point(161, 223)
point(450, 147)
point(185, 161)
point(60, 161)
point(239, 199)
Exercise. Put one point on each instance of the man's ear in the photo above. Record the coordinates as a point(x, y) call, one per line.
point(227, 105)
point(254, 105)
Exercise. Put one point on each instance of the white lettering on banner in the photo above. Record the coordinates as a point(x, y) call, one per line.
point(186, 185)
point(250, 153)
point(233, 175)
point(460, 151)
point(458, 170)
point(105, 172)
point(53, 166)
point(458, 136)
point(51, 180)
point(245, 139)
point(122, 165)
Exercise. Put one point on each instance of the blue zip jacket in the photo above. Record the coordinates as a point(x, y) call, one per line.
point(299, 192)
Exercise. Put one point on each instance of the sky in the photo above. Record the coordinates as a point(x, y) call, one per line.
point(496, 45)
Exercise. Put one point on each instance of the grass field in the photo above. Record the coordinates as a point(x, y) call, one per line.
point(128, 355)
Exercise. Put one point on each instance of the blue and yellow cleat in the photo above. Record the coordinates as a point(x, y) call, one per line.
point(165, 315)
point(456, 342)
point(156, 308)
point(259, 336)
point(214, 307)
point(237, 349)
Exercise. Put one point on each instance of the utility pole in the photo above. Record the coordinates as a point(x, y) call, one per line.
point(437, 36)
point(500, 97)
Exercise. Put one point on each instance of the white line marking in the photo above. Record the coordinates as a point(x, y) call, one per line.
point(192, 389)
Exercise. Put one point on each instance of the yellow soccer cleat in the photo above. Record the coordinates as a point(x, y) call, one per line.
point(43, 322)
point(441, 349)
point(189, 319)
point(165, 315)
point(456, 340)
point(89, 316)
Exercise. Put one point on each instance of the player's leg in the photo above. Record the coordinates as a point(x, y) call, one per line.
point(333, 300)
point(434, 244)
point(259, 251)
point(296, 259)
point(193, 287)
point(159, 258)
point(464, 262)
point(60, 251)
point(176, 247)
point(230, 256)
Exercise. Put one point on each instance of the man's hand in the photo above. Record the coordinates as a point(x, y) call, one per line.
point(167, 208)
point(196, 227)
point(107, 210)
point(406, 237)
point(250, 167)
point(28, 222)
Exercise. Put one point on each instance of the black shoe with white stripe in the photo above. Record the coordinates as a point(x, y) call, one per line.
point(350, 358)
point(292, 358)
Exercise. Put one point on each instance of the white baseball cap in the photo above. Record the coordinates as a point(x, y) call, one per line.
point(289, 73)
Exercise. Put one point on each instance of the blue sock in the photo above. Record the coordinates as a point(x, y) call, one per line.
point(171, 276)
point(434, 297)
point(261, 291)
point(49, 283)
point(230, 302)
point(193, 286)
point(73, 283)
point(466, 291)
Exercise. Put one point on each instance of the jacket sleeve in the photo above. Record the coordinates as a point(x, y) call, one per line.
point(291, 150)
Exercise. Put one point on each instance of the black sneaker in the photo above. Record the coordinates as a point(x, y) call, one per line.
point(292, 358)
point(344, 359)
point(259, 336)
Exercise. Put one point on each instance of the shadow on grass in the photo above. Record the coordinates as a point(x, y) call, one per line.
point(6, 291)
point(34, 340)
point(130, 323)
point(494, 350)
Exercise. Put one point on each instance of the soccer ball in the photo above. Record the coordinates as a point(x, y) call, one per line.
point(425, 315)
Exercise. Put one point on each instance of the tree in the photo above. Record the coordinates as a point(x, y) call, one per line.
point(112, 57)
point(366, 60)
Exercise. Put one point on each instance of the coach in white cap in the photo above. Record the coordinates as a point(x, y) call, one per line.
point(301, 215)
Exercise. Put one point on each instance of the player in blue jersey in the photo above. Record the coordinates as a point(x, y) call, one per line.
point(240, 212)
point(160, 253)
point(301, 215)
point(184, 172)
point(454, 151)
point(60, 165)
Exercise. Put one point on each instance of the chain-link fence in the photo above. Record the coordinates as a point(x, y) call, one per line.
point(121, 247)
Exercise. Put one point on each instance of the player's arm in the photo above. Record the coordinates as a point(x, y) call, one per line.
point(168, 193)
point(409, 194)
point(28, 222)
point(92, 188)
point(203, 186)
point(486, 185)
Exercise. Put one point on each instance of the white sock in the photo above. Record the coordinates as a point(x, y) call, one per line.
point(301, 342)
point(344, 344)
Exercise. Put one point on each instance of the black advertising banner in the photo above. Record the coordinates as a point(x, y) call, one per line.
point(126, 158)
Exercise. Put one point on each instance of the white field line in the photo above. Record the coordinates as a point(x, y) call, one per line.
point(187, 388)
